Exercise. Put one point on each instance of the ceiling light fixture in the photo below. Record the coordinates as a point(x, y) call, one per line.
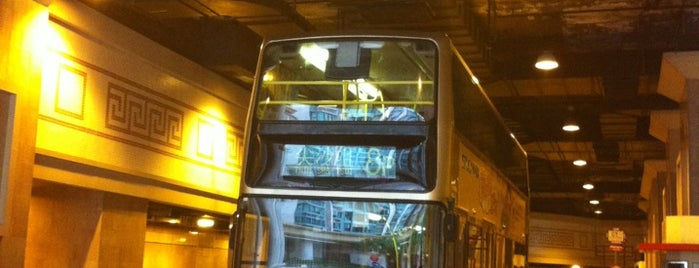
point(570, 125)
point(546, 61)
point(205, 222)
point(580, 162)
point(594, 202)
point(599, 211)
point(588, 186)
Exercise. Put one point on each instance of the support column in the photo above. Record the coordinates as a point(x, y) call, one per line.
point(78, 227)
point(123, 232)
point(64, 226)
point(20, 76)
point(679, 80)
point(692, 107)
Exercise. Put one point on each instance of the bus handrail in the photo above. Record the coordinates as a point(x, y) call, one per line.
point(407, 82)
point(340, 102)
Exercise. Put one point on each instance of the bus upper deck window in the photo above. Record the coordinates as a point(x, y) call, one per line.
point(347, 80)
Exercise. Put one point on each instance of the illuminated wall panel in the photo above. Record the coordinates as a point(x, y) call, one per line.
point(106, 103)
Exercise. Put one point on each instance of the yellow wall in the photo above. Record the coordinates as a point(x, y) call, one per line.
point(178, 248)
point(556, 239)
point(20, 77)
point(115, 100)
point(103, 121)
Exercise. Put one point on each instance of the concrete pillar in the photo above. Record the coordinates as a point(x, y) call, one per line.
point(123, 231)
point(679, 80)
point(306, 250)
point(64, 227)
point(692, 107)
point(20, 78)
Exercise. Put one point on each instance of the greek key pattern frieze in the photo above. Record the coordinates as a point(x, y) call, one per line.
point(139, 116)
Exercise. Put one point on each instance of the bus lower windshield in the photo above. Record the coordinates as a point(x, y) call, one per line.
point(338, 233)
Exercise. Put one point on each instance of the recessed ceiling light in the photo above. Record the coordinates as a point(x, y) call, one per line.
point(594, 202)
point(588, 186)
point(546, 61)
point(205, 222)
point(598, 211)
point(570, 127)
point(580, 162)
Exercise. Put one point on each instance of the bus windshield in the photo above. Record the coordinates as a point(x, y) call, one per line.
point(338, 233)
point(348, 80)
point(344, 113)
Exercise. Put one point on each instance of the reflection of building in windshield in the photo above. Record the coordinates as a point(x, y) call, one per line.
point(352, 217)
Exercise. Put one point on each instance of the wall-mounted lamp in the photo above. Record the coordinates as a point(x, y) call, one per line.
point(546, 61)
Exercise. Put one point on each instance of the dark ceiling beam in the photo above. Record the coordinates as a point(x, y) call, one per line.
point(220, 41)
point(582, 104)
point(556, 8)
point(217, 42)
point(286, 10)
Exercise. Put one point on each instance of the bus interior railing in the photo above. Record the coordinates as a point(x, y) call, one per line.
point(362, 100)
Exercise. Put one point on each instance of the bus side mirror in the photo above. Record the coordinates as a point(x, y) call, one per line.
point(451, 227)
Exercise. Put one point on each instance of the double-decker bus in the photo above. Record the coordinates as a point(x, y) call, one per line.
point(376, 150)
